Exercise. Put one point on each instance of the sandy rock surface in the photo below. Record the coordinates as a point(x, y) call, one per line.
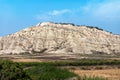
point(60, 38)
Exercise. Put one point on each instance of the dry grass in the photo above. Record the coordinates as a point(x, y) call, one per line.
point(27, 60)
point(110, 74)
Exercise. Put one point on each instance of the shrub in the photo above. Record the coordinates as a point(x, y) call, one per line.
point(48, 72)
point(12, 71)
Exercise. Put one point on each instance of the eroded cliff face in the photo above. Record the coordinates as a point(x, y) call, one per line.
point(60, 38)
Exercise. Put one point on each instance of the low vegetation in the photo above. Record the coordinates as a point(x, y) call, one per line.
point(18, 71)
point(86, 62)
point(92, 78)
point(47, 70)
point(12, 71)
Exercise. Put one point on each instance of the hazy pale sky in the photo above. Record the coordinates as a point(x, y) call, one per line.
point(19, 14)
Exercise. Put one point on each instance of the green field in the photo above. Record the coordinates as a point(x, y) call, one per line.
point(47, 70)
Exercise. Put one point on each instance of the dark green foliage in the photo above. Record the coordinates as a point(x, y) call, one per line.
point(83, 62)
point(87, 62)
point(32, 71)
point(12, 71)
point(95, 27)
point(47, 72)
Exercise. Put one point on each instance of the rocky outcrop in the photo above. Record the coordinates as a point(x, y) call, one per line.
point(60, 39)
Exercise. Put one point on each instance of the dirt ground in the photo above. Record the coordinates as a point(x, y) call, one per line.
point(110, 74)
point(26, 60)
point(40, 58)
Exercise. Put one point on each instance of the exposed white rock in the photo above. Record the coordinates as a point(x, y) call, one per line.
point(44, 24)
point(60, 38)
point(10, 51)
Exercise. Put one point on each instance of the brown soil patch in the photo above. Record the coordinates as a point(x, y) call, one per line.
point(110, 74)
point(27, 60)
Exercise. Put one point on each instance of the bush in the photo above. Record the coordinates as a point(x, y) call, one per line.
point(12, 71)
point(48, 72)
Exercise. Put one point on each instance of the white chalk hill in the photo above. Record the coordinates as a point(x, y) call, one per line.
point(60, 38)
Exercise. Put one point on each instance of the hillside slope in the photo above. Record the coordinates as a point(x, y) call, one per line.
point(60, 38)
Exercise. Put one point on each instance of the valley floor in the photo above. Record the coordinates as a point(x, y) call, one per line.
point(110, 73)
